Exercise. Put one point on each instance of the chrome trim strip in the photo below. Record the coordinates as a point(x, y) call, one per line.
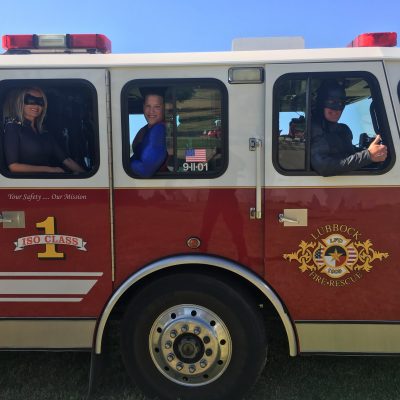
point(46, 286)
point(110, 170)
point(40, 299)
point(51, 273)
point(259, 180)
point(348, 337)
point(46, 334)
point(198, 259)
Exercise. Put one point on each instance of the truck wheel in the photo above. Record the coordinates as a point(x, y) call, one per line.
point(192, 336)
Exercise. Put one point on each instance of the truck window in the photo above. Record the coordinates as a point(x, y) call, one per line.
point(291, 124)
point(295, 120)
point(64, 113)
point(191, 138)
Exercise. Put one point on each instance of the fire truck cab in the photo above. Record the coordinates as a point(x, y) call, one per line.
point(236, 225)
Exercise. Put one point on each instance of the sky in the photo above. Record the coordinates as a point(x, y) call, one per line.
point(153, 26)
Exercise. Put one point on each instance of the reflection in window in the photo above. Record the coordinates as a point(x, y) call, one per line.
point(291, 95)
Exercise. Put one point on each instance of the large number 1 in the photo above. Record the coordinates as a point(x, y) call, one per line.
point(49, 227)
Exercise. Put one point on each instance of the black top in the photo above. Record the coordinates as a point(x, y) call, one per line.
point(332, 150)
point(23, 145)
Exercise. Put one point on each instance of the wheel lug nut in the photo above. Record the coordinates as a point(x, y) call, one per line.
point(170, 357)
point(197, 330)
point(173, 334)
point(168, 344)
point(206, 339)
point(192, 369)
point(179, 366)
point(203, 363)
point(208, 352)
point(184, 328)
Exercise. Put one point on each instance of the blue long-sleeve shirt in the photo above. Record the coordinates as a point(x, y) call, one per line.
point(150, 153)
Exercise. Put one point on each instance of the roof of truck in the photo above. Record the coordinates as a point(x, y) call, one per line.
point(83, 60)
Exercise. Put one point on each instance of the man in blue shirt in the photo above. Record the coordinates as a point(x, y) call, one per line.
point(149, 146)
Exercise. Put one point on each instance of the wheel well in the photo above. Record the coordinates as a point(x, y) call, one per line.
point(257, 298)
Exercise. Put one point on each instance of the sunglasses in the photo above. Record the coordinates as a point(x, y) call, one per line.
point(30, 100)
point(334, 104)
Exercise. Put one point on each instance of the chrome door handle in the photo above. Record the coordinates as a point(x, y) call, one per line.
point(255, 145)
point(12, 219)
point(282, 219)
point(4, 220)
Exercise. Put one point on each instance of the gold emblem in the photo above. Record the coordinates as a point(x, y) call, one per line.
point(335, 260)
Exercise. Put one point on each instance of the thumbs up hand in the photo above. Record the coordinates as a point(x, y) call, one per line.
point(377, 151)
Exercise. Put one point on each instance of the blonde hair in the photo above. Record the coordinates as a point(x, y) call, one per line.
point(14, 106)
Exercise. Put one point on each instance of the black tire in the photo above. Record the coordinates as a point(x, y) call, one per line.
point(193, 336)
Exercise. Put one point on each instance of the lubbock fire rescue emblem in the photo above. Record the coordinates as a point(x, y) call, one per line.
point(337, 257)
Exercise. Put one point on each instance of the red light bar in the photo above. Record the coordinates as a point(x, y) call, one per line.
point(92, 43)
point(377, 39)
point(10, 42)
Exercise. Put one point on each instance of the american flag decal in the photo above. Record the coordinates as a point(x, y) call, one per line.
point(195, 155)
point(352, 255)
point(318, 256)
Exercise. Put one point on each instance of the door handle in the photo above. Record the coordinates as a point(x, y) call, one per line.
point(12, 219)
point(4, 220)
point(293, 217)
point(256, 146)
point(282, 219)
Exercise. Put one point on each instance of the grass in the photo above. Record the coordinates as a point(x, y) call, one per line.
point(64, 376)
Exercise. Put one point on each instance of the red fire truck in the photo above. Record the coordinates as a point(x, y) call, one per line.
point(238, 226)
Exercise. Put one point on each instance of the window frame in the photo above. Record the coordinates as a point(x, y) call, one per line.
point(309, 76)
point(169, 82)
point(45, 85)
point(398, 91)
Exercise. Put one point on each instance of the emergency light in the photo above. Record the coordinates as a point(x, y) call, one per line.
point(377, 39)
point(68, 43)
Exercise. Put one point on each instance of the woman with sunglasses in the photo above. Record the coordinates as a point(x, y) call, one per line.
point(27, 147)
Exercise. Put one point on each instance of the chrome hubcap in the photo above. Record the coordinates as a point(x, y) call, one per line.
point(190, 345)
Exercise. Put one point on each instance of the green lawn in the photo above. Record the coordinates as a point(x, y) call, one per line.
point(63, 376)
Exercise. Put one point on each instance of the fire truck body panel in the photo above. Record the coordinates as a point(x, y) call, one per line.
point(250, 212)
point(189, 201)
point(335, 205)
point(74, 285)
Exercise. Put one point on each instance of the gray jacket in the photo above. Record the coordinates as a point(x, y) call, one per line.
point(332, 150)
